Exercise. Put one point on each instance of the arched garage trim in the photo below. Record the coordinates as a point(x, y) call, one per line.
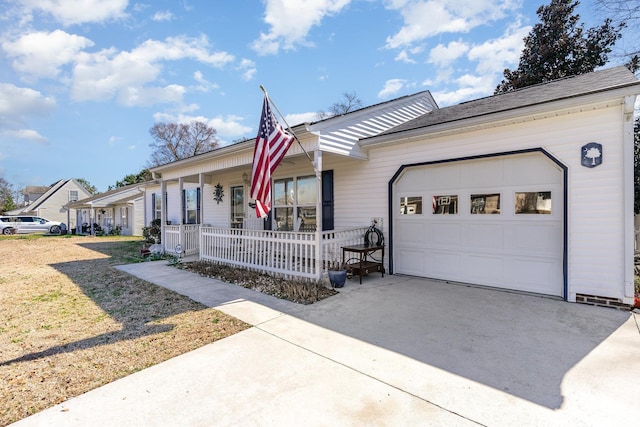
point(561, 165)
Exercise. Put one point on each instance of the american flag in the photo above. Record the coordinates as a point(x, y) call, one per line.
point(272, 144)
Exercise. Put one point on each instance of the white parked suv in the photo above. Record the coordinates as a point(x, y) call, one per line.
point(24, 224)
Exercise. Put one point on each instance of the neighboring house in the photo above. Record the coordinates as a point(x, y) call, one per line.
point(31, 193)
point(530, 190)
point(50, 202)
point(121, 208)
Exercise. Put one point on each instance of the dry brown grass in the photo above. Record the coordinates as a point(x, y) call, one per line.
point(70, 322)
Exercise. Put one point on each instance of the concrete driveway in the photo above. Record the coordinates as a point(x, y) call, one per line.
point(392, 351)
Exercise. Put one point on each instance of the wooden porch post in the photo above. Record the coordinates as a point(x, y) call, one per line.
point(318, 168)
point(163, 210)
point(201, 187)
point(182, 211)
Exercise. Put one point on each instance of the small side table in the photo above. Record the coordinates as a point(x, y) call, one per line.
point(364, 266)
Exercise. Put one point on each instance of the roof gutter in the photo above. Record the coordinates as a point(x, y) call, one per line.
point(500, 118)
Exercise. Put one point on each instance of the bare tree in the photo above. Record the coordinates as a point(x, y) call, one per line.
point(349, 103)
point(175, 141)
point(626, 13)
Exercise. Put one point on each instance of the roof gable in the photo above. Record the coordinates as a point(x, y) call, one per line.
point(340, 134)
point(112, 197)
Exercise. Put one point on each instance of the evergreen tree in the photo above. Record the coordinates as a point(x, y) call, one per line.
point(7, 202)
point(559, 46)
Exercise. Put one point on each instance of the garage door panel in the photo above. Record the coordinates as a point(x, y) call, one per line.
point(411, 261)
point(448, 176)
point(537, 238)
point(444, 264)
point(485, 236)
point(483, 269)
point(411, 232)
point(535, 275)
point(477, 174)
point(524, 170)
point(445, 234)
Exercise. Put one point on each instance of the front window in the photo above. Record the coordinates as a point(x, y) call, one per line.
point(294, 204)
point(157, 205)
point(237, 206)
point(73, 195)
point(191, 206)
point(124, 217)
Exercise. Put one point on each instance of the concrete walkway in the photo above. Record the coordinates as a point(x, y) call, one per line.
point(394, 351)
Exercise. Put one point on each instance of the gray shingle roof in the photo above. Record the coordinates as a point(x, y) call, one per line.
point(568, 87)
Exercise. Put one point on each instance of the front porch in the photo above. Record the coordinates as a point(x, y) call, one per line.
point(287, 253)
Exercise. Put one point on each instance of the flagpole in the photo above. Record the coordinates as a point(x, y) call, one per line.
point(290, 130)
point(318, 243)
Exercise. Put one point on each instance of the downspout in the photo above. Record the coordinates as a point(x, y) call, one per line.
point(628, 189)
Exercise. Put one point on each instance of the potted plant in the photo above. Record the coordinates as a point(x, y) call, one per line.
point(337, 272)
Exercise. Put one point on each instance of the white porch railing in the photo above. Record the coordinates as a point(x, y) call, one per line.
point(290, 254)
point(185, 235)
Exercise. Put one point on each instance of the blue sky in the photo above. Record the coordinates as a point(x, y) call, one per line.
point(83, 81)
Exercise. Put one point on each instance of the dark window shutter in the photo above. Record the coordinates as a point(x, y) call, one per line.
point(184, 206)
point(198, 204)
point(153, 206)
point(327, 200)
point(269, 221)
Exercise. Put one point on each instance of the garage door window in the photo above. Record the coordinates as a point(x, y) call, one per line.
point(411, 205)
point(538, 202)
point(445, 205)
point(485, 204)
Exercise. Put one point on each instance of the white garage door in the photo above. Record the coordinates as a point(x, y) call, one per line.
point(495, 221)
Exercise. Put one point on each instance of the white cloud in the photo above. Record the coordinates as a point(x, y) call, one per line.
point(17, 103)
point(127, 74)
point(26, 135)
point(42, 54)
point(442, 55)
point(147, 96)
point(427, 18)
point(497, 54)
point(391, 87)
point(296, 119)
point(162, 16)
point(403, 56)
point(291, 21)
point(204, 85)
point(78, 12)
point(247, 68)
point(490, 58)
point(229, 126)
